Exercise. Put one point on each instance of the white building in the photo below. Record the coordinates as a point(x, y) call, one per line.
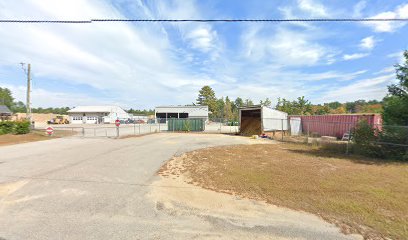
point(96, 114)
point(165, 112)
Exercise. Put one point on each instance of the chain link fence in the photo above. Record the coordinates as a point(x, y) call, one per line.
point(340, 136)
point(141, 127)
point(376, 140)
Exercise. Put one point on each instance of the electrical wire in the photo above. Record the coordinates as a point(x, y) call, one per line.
point(210, 20)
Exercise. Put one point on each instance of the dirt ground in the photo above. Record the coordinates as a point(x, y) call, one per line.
point(359, 195)
point(10, 139)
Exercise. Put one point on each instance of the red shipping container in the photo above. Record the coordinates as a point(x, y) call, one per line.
point(336, 125)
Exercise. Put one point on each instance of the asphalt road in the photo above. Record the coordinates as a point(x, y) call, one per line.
point(76, 188)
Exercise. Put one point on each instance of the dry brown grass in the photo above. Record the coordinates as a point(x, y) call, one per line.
point(358, 194)
point(34, 136)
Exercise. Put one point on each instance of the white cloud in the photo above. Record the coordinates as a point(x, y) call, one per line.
point(203, 38)
point(314, 8)
point(399, 12)
point(291, 48)
point(134, 64)
point(368, 43)
point(41, 97)
point(354, 56)
point(367, 89)
point(199, 36)
point(386, 70)
point(399, 56)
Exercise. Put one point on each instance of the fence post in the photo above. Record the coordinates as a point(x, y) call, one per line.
point(94, 132)
point(83, 132)
point(220, 125)
point(308, 126)
point(282, 129)
point(139, 128)
point(117, 132)
point(134, 128)
point(348, 140)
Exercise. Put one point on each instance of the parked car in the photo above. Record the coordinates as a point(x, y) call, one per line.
point(140, 121)
point(130, 121)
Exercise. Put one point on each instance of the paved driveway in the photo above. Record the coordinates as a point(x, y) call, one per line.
point(77, 188)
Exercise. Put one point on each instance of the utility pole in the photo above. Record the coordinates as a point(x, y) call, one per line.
point(29, 92)
point(28, 103)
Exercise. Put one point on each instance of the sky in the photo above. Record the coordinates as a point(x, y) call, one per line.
point(143, 65)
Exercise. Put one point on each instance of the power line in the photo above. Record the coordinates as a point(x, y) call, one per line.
point(209, 20)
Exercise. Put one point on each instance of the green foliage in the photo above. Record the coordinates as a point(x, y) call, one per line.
point(365, 137)
point(248, 102)
point(6, 127)
point(21, 127)
point(301, 106)
point(206, 96)
point(238, 102)
point(396, 103)
point(15, 127)
point(395, 111)
point(18, 107)
point(386, 143)
point(266, 103)
point(334, 105)
point(395, 137)
point(5, 97)
point(61, 111)
point(228, 114)
point(144, 112)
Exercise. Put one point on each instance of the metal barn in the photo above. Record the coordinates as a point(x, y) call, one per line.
point(255, 120)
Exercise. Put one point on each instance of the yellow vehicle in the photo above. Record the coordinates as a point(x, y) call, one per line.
point(58, 120)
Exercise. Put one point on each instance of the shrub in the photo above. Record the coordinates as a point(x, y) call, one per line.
point(387, 143)
point(21, 127)
point(365, 138)
point(395, 137)
point(14, 127)
point(6, 127)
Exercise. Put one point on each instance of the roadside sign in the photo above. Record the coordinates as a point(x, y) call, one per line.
point(49, 130)
point(117, 123)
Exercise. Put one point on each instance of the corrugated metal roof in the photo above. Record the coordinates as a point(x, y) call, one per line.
point(4, 110)
point(94, 109)
point(254, 107)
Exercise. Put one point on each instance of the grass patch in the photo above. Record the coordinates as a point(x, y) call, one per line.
point(356, 193)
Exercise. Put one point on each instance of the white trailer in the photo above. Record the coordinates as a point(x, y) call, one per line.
point(255, 120)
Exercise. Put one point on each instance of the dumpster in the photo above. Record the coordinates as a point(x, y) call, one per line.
point(186, 125)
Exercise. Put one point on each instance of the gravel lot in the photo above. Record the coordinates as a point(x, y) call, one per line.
point(101, 188)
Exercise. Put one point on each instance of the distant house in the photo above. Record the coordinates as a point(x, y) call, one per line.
point(5, 112)
point(96, 114)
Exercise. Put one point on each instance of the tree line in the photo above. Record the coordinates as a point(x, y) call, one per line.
point(224, 107)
